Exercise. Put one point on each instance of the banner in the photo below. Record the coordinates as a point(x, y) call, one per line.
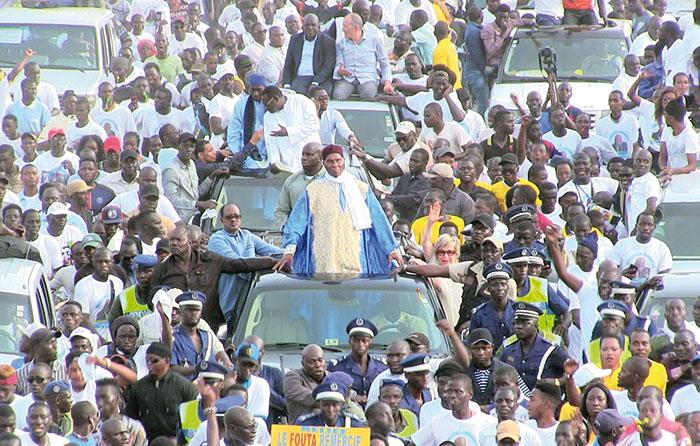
point(288, 435)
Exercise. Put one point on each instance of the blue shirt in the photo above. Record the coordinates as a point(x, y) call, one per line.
point(528, 364)
point(410, 403)
point(183, 348)
point(236, 125)
point(90, 441)
point(242, 244)
point(31, 118)
point(316, 420)
point(274, 378)
point(486, 316)
point(361, 59)
point(362, 382)
point(647, 86)
point(476, 53)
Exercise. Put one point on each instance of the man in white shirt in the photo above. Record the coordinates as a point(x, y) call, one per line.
point(255, 48)
point(645, 190)
point(642, 254)
point(436, 127)
point(632, 375)
point(163, 113)
point(290, 123)
point(248, 360)
point(674, 54)
point(620, 129)
point(272, 60)
point(84, 124)
point(125, 179)
point(182, 39)
point(115, 119)
point(545, 399)
point(601, 145)
point(128, 202)
point(675, 314)
point(38, 422)
point(406, 7)
point(58, 230)
point(629, 74)
point(48, 248)
point(565, 141)
point(583, 184)
point(687, 398)
point(395, 353)
point(45, 92)
point(648, 38)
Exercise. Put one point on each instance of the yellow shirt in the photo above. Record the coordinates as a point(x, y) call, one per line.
point(418, 227)
point(441, 11)
point(610, 381)
point(657, 377)
point(446, 54)
point(500, 189)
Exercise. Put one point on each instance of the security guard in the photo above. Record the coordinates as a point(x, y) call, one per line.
point(191, 412)
point(136, 299)
point(185, 352)
point(627, 293)
point(359, 364)
point(613, 314)
point(416, 368)
point(391, 392)
point(330, 397)
point(58, 396)
point(497, 314)
point(537, 291)
point(528, 352)
point(536, 262)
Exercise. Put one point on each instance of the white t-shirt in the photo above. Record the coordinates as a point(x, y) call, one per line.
point(640, 42)
point(418, 101)
point(586, 192)
point(622, 134)
point(15, 143)
point(94, 295)
point(546, 435)
point(116, 122)
point(667, 438)
point(568, 144)
point(628, 408)
point(453, 429)
point(128, 202)
point(259, 397)
point(432, 409)
point(153, 121)
point(69, 235)
point(641, 189)
point(74, 133)
point(686, 400)
point(680, 146)
point(603, 147)
point(452, 132)
point(50, 253)
point(54, 440)
point(261, 434)
point(46, 162)
point(87, 394)
point(649, 258)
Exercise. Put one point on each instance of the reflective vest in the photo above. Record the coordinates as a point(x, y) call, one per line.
point(130, 303)
point(189, 419)
point(538, 295)
point(594, 350)
point(411, 424)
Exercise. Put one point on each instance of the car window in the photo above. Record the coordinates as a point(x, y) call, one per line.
point(255, 197)
point(15, 312)
point(319, 316)
point(55, 45)
point(373, 128)
point(578, 57)
point(655, 309)
point(677, 229)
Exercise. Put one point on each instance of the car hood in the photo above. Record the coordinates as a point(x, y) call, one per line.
point(591, 97)
point(684, 281)
point(83, 83)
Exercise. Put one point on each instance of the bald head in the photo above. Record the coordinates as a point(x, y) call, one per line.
point(442, 30)
point(311, 350)
point(238, 416)
point(637, 366)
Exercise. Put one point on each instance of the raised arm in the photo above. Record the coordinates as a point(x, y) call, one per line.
point(569, 279)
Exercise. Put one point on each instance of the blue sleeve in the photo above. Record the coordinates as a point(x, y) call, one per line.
point(475, 48)
point(234, 134)
point(218, 245)
point(557, 302)
point(262, 248)
point(652, 328)
point(476, 321)
point(380, 224)
point(596, 331)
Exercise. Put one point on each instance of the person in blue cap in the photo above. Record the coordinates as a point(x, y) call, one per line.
point(416, 368)
point(191, 344)
point(529, 352)
point(330, 397)
point(59, 398)
point(535, 264)
point(554, 307)
point(627, 294)
point(391, 393)
point(191, 413)
point(248, 362)
point(350, 406)
point(247, 122)
point(497, 314)
point(136, 299)
point(359, 364)
point(613, 314)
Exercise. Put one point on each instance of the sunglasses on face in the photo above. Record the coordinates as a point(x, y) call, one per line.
point(36, 379)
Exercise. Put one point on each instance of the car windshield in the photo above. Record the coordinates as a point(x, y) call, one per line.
point(655, 308)
point(374, 129)
point(14, 313)
point(255, 197)
point(319, 315)
point(677, 229)
point(579, 57)
point(57, 46)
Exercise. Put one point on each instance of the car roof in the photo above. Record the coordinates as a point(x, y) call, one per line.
point(59, 16)
point(359, 105)
point(17, 274)
point(282, 281)
point(572, 31)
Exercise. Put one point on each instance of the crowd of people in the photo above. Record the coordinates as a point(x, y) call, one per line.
point(536, 230)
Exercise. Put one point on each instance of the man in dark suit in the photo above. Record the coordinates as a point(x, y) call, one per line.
point(310, 58)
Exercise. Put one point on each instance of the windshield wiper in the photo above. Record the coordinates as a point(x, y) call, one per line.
point(302, 345)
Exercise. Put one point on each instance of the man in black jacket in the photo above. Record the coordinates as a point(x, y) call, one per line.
point(310, 59)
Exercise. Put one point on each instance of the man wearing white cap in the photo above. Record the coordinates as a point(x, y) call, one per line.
point(58, 229)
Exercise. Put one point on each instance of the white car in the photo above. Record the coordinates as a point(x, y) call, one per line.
point(588, 57)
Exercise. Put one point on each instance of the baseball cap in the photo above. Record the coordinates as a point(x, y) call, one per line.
point(111, 214)
point(508, 158)
point(57, 208)
point(485, 219)
point(508, 429)
point(113, 144)
point(418, 338)
point(186, 136)
point(44, 334)
point(91, 240)
point(589, 372)
point(479, 335)
point(77, 186)
point(129, 153)
point(442, 151)
point(441, 170)
point(250, 352)
point(150, 190)
point(405, 127)
point(609, 419)
point(56, 131)
point(197, 67)
point(494, 241)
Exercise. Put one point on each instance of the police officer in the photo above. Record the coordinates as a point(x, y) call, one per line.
point(416, 368)
point(191, 412)
point(136, 299)
point(537, 291)
point(59, 398)
point(359, 364)
point(627, 293)
point(191, 344)
point(613, 315)
point(497, 314)
point(392, 393)
point(528, 352)
point(536, 262)
point(330, 397)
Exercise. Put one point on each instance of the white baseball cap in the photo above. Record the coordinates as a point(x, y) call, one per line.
point(57, 208)
point(588, 372)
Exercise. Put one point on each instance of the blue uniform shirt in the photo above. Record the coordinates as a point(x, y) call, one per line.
point(636, 322)
point(486, 316)
point(528, 364)
point(410, 403)
point(361, 383)
point(183, 348)
point(316, 420)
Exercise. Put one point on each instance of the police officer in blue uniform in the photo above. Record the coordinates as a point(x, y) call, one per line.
point(529, 353)
point(416, 368)
point(627, 293)
point(330, 397)
point(497, 314)
point(186, 355)
point(359, 364)
point(523, 213)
